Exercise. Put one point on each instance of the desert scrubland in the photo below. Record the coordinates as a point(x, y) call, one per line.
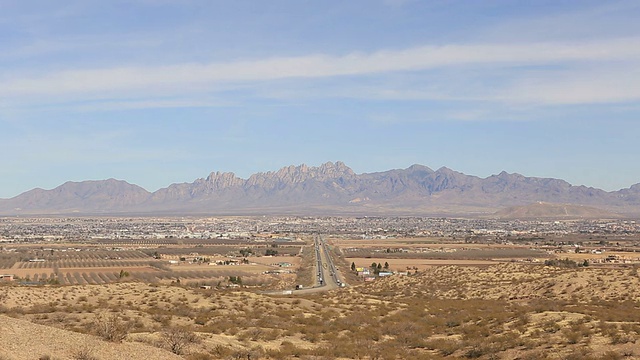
point(542, 297)
point(504, 311)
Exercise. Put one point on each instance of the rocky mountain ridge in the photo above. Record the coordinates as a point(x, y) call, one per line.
point(331, 188)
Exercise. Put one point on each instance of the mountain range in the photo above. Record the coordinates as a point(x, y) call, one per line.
point(328, 189)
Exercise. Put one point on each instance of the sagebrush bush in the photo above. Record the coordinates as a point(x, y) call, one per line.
point(111, 327)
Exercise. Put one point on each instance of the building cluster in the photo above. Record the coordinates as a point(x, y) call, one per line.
point(272, 228)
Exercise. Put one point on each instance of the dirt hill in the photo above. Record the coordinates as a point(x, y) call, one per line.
point(20, 339)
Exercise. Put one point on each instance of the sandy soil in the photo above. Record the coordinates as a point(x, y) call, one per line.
point(62, 344)
point(508, 310)
point(267, 260)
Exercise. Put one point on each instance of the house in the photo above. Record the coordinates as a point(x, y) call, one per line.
point(364, 272)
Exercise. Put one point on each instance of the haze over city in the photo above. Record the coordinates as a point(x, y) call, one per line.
point(161, 92)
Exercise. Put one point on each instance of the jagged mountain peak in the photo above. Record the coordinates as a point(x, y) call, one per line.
point(337, 168)
point(217, 175)
point(220, 180)
point(297, 174)
point(329, 187)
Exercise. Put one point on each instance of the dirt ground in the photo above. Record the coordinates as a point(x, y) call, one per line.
point(433, 243)
point(498, 311)
point(420, 264)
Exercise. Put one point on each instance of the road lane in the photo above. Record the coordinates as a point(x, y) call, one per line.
point(326, 275)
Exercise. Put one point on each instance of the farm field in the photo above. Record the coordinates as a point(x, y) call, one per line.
point(396, 264)
point(421, 256)
point(69, 264)
point(428, 244)
point(408, 250)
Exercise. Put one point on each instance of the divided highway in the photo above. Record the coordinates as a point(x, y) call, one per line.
point(334, 275)
point(326, 274)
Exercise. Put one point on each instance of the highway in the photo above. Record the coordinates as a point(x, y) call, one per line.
point(327, 263)
point(326, 275)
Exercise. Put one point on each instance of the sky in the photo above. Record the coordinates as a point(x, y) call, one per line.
point(156, 92)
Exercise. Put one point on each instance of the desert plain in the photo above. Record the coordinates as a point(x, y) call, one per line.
point(405, 297)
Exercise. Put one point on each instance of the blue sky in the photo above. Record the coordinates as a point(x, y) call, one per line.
point(161, 91)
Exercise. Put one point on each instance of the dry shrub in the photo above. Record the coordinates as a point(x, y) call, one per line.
point(111, 327)
point(444, 346)
point(178, 339)
point(288, 349)
point(84, 353)
point(221, 351)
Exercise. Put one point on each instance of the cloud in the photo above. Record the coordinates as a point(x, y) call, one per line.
point(594, 56)
point(578, 86)
point(159, 103)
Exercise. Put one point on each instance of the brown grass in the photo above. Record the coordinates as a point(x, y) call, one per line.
point(503, 311)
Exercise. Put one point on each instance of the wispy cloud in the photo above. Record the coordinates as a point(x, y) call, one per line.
point(587, 85)
point(591, 56)
point(155, 103)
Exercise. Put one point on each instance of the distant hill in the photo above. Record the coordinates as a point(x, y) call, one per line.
point(73, 197)
point(541, 210)
point(328, 189)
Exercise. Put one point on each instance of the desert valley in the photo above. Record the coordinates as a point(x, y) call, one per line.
point(319, 180)
point(318, 288)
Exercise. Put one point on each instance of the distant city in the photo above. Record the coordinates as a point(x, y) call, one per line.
point(87, 230)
